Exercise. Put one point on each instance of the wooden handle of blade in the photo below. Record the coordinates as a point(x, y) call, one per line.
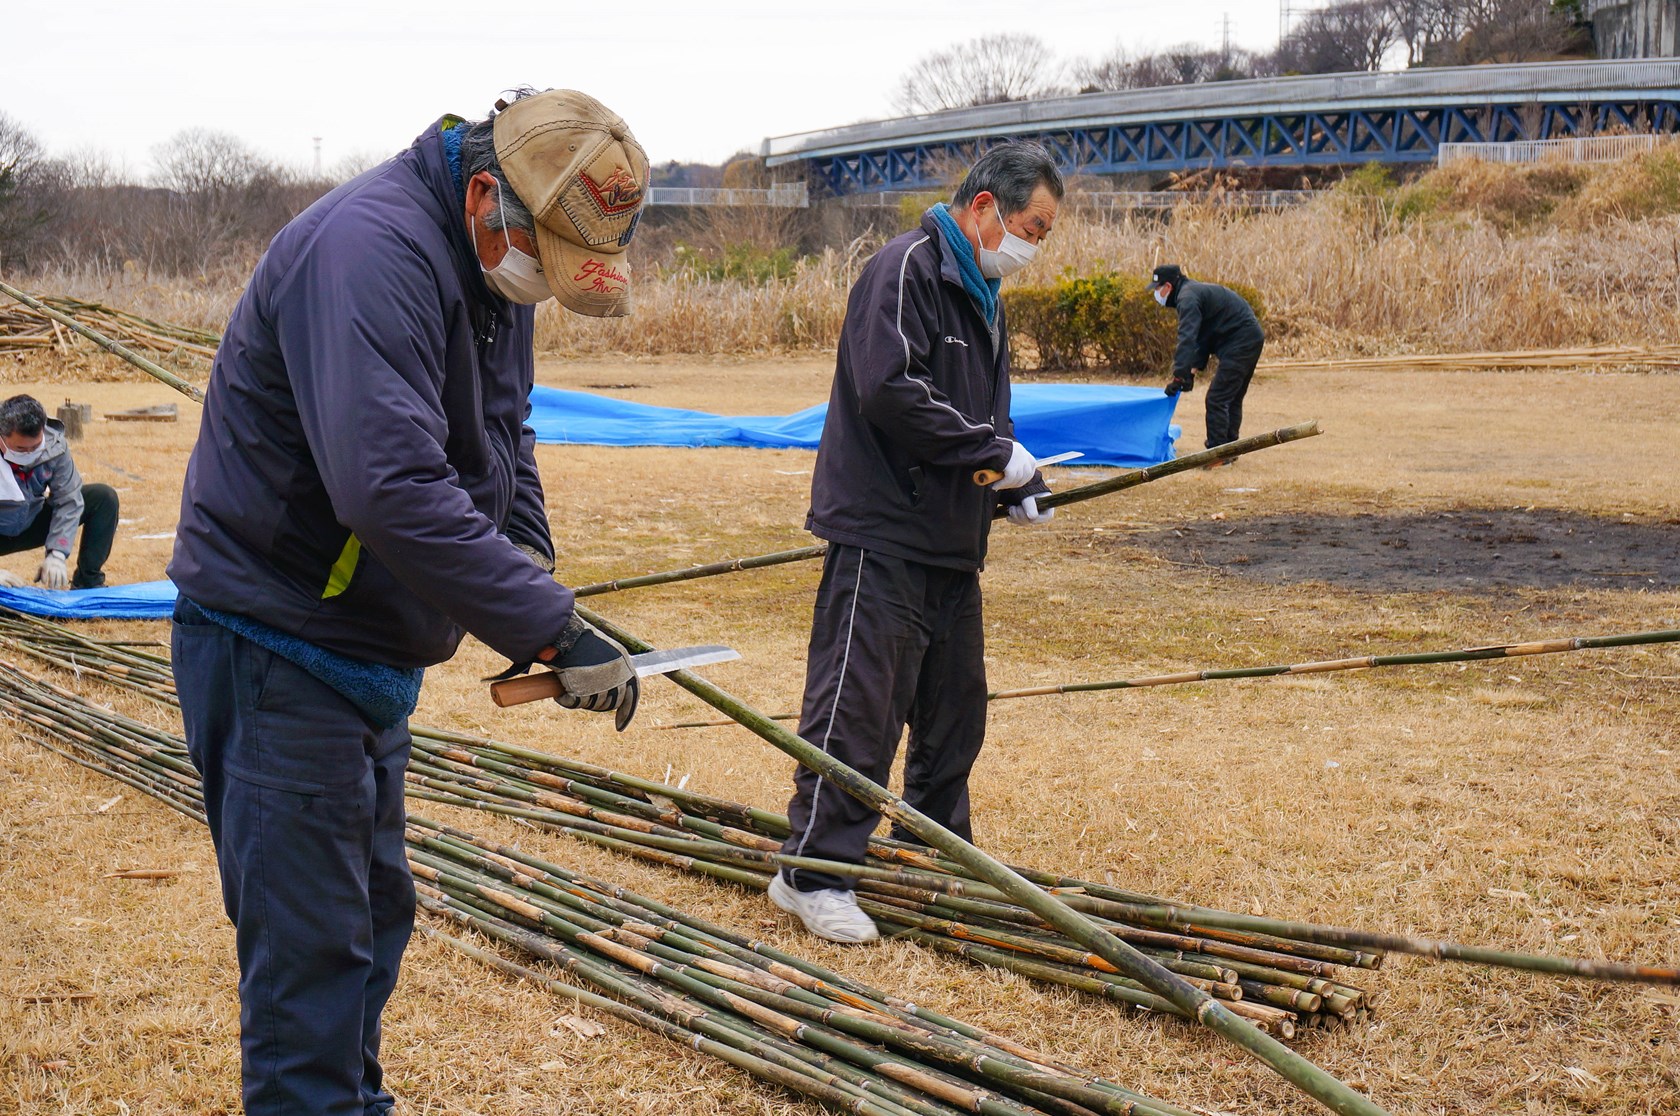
point(987, 476)
point(527, 687)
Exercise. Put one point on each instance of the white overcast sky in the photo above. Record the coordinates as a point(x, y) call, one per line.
point(696, 81)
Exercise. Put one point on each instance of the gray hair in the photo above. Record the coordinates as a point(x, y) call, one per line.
point(22, 414)
point(1011, 172)
point(478, 153)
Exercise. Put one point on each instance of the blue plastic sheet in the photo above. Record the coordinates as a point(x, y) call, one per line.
point(148, 600)
point(1109, 423)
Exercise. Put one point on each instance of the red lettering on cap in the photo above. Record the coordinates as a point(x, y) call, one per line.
point(601, 277)
point(620, 193)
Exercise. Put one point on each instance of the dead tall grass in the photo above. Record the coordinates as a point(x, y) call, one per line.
point(1471, 257)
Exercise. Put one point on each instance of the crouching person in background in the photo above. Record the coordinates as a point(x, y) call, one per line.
point(50, 503)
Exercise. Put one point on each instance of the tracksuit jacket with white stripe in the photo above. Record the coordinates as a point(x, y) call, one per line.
point(920, 401)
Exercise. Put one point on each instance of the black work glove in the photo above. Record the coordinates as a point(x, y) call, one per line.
point(1180, 383)
point(595, 672)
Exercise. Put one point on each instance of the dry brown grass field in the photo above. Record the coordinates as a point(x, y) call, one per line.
point(1533, 803)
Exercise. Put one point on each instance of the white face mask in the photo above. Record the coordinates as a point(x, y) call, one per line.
point(26, 458)
point(1161, 295)
point(1011, 255)
point(519, 277)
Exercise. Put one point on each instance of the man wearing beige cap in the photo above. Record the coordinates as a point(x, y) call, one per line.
point(362, 493)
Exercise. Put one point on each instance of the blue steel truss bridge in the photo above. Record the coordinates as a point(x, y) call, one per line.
point(1325, 120)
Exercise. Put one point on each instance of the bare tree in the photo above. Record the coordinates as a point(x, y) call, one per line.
point(1340, 38)
point(1185, 64)
point(220, 194)
point(989, 70)
point(31, 192)
point(1515, 31)
point(1426, 27)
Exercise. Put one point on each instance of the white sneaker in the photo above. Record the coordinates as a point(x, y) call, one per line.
point(831, 913)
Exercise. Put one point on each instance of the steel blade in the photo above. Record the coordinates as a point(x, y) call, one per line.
point(681, 658)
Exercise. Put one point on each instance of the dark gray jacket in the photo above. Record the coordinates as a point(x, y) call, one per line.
point(363, 470)
point(920, 401)
point(53, 481)
point(1212, 321)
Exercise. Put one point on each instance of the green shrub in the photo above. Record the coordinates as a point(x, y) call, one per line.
point(912, 206)
point(1107, 322)
point(1036, 318)
point(744, 263)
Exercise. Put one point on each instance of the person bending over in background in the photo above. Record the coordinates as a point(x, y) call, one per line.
point(1212, 321)
point(50, 502)
point(920, 403)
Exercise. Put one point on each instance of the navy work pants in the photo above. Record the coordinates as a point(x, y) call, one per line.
point(98, 531)
point(305, 803)
point(1225, 394)
point(892, 642)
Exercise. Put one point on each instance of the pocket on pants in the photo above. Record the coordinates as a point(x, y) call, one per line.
point(303, 736)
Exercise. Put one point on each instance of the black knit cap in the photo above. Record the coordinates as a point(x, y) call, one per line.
point(1166, 273)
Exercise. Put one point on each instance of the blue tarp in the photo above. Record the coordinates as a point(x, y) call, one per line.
point(149, 600)
point(1108, 423)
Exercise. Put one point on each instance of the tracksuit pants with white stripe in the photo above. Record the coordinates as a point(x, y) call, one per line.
point(893, 642)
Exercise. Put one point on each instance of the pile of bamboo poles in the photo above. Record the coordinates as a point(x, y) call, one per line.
point(780, 1018)
point(1278, 983)
point(1280, 986)
point(1657, 358)
point(26, 329)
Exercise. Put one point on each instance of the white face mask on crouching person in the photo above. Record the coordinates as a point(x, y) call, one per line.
point(26, 458)
point(1011, 255)
point(519, 277)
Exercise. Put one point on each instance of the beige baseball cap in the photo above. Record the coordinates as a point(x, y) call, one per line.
point(583, 176)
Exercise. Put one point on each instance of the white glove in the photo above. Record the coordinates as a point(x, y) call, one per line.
point(9, 580)
point(53, 573)
point(1020, 469)
point(1026, 513)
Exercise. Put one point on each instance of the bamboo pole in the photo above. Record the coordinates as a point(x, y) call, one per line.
point(116, 348)
point(1129, 479)
point(1323, 666)
point(710, 569)
point(1178, 465)
point(1365, 662)
point(1308, 1077)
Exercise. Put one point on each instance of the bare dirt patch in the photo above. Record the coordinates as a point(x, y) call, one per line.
point(1464, 549)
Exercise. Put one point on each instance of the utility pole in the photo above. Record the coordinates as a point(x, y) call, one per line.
point(1284, 12)
point(1225, 38)
point(317, 140)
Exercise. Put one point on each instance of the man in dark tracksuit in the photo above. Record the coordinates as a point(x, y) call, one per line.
point(920, 402)
point(362, 490)
point(1212, 321)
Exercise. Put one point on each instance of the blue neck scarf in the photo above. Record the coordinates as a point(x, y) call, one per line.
point(452, 152)
point(984, 291)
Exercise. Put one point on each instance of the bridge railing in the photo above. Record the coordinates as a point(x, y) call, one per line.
point(783, 195)
point(1122, 200)
point(1587, 149)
